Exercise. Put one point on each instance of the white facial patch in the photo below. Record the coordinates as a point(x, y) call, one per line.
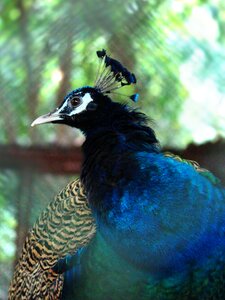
point(85, 101)
point(66, 109)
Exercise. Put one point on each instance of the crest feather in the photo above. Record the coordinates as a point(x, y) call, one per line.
point(112, 75)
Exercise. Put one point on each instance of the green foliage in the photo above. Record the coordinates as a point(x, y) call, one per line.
point(8, 184)
point(7, 235)
point(48, 48)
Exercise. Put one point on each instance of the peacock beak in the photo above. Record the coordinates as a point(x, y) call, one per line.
point(48, 118)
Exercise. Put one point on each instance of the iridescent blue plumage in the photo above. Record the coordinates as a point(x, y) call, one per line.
point(160, 221)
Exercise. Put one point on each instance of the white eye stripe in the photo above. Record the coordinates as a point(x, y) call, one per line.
point(62, 108)
point(85, 101)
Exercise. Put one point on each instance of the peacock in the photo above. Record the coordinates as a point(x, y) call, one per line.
point(158, 222)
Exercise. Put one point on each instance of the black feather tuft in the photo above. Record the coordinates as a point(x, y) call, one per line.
point(112, 75)
point(101, 53)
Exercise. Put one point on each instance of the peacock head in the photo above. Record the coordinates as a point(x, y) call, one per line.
point(79, 106)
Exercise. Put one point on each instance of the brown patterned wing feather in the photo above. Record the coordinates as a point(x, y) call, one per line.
point(63, 227)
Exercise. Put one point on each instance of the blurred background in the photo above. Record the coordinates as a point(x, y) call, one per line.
point(176, 50)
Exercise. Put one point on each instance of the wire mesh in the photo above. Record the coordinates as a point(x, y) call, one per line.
point(175, 48)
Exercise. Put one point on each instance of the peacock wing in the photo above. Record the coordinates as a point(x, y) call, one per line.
point(63, 227)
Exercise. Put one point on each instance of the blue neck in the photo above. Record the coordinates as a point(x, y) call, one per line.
point(122, 133)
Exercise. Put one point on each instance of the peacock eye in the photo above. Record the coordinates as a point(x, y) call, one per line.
point(75, 101)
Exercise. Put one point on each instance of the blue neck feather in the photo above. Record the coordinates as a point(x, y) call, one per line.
point(122, 133)
point(143, 200)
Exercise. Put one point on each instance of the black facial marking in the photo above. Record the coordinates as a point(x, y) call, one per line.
point(92, 106)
